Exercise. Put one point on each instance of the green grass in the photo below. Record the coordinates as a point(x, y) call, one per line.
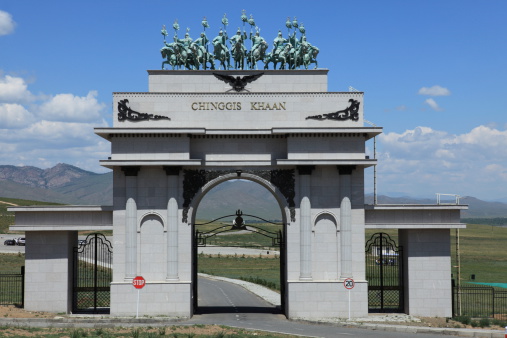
point(262, 269)
point(11, 262)
point(483, 253)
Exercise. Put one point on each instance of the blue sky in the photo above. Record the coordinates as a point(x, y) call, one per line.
point(433, 72)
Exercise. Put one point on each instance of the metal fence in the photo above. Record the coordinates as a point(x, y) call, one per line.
point(12, 288)
point(480, 302)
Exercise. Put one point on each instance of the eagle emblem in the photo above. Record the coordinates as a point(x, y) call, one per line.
point(238, 83)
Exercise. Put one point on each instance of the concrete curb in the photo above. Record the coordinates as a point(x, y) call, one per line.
point(414, 329)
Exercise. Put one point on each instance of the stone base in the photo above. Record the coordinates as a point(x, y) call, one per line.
point(155, 299)
point(309, 300)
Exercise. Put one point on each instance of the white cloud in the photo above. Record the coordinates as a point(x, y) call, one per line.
point(430, 102)
point(13, 89)
point(13, 115)
point(434, 91)
point(67, 107)
point(50, 129)
point(6, 23)
point(424, 161)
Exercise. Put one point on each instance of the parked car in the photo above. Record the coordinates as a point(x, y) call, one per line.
point(10, 242)
point(20, 241)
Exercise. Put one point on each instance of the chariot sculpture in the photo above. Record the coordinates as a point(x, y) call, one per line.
point(224, 52)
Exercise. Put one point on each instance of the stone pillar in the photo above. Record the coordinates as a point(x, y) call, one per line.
point(49, 270)
point(346, 220)
point(305, 230)
point(130, 221)
point(172, 222)
point(427, 271)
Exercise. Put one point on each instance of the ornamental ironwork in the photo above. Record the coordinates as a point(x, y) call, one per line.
point(194, 180)
point(349, 113)
point(126, 113)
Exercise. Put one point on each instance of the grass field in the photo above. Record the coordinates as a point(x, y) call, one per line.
point(263, 270)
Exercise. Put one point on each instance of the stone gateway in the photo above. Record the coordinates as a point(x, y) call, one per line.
point(284, 131)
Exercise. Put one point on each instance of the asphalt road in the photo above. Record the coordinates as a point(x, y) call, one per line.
point(229, 304)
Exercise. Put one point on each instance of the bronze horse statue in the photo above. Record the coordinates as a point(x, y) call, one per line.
point(169, 56)
point(238, 55)
point(222, 55)
point(201, 57)
point(258, 54)
point(282, 57)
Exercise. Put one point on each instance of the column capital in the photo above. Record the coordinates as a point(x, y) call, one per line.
point(305, 169)
point(172, 170)
point(346, 169)
point(131, 170)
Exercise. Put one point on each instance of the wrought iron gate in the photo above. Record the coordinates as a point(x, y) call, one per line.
point(384, 273)
point(92, 275)
point(201, 239)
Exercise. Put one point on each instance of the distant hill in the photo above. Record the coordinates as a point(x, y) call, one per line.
point(62, 183)
point(250, 197)
point(68, 184)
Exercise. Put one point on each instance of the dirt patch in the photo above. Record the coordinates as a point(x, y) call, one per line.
point(11, 311)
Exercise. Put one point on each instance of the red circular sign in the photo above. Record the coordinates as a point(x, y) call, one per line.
point(139, 282)
point(349, 283)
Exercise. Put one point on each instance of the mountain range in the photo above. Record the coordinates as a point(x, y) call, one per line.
point(68, 184)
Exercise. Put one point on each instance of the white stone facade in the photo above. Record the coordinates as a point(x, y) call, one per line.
point(210, 127)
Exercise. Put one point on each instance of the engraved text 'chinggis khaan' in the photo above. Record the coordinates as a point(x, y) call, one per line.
point(237, 106)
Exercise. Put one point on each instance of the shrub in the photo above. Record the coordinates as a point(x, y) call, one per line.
point(463, 319)
point(484, 322)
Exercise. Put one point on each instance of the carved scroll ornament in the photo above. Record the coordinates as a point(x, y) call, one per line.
point(125, 113)
point(349, 113)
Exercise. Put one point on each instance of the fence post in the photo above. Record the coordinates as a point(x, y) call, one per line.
point(452, 297)
point(23, 286)
point(493, 296)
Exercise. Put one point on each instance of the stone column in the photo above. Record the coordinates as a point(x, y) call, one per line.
point(172, 222)
point(305, 230)
point(130, 221)
point(346, 220)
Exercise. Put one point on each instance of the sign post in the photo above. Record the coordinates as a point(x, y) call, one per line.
point(139, 282)
point(349, 285)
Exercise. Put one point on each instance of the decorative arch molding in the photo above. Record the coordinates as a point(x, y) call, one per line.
point(150, 215)
point(280, 182)
point(329, 215)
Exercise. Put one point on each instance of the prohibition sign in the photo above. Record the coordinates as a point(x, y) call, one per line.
point(349, 283)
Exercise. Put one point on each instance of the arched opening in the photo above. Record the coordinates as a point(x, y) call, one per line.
point(239, 230)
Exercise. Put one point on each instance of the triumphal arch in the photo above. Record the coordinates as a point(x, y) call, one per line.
point(196, 128)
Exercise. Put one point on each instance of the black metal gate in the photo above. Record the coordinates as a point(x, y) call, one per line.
point(92, 275)
point(384, 273)
point(202, 238)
